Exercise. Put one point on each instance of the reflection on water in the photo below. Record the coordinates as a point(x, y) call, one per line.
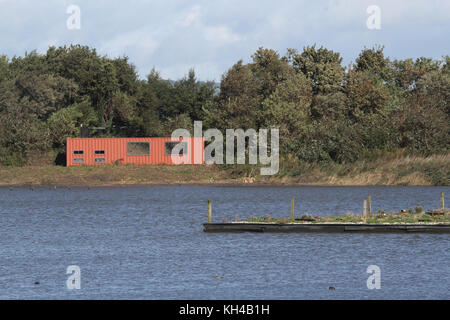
point(147, 242)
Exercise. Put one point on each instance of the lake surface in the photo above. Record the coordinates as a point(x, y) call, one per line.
point(147, 243)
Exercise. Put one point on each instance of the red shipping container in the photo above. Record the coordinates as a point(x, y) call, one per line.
point(96, 151)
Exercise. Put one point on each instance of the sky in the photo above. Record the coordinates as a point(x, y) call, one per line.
point(210, 36)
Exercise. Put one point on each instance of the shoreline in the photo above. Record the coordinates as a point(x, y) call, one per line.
point(206, 184)
point(407, 171)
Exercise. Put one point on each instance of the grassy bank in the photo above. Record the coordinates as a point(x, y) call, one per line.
point(434, 170)
point(391, 169)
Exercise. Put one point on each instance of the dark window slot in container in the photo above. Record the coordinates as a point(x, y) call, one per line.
point(138, 148)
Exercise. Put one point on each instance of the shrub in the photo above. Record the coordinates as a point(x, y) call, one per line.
point(306, 217)
point(419, 209)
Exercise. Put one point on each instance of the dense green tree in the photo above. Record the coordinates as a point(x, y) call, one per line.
point(435, 88)
point(21, 131)
point(191, 96)
point(269, 70)
point(372, 61)
point(148, 123)
point(365, 94)
point(127, 77)
point(288, 109)
point(422, 129)
point(322, 66)
point(238, 101)
point(4, 68)
point(408, 72)
point(46, 93)
point(64, 123)
point(324, 70)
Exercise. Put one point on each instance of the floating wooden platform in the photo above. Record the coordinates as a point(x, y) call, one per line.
point(325, 227)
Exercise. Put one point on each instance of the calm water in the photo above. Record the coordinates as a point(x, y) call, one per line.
point(147, 242)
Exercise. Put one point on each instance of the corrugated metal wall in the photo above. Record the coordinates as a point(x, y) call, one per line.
point(115, 151)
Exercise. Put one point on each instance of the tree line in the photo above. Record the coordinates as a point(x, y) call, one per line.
point(325, 111)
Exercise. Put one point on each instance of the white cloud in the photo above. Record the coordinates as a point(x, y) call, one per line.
point(130, 41)
point(221, 35)
point(188, 17)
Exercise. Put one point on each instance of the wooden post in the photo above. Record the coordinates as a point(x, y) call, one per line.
point(209, 211)
point(365, 208)
point(442, 201)
point(369, 198)
point(292, 208)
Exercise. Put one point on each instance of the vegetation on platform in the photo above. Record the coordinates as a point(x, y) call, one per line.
point(437, 216)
